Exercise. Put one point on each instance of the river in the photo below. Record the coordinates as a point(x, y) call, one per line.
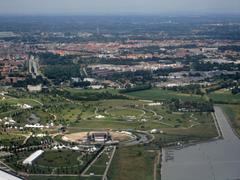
point(215, 160)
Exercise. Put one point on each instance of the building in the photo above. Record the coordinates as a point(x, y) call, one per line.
point(36, 88)
point(32, 157)
point(98, 136)
point(7, 176)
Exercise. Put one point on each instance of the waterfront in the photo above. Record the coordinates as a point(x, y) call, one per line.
point(215, 160)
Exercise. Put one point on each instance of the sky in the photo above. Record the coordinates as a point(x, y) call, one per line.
point(117, 7)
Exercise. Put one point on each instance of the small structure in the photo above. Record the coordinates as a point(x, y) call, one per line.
point(37, 125)
point(99, 116)
point(99, 136)
point(154, 131)
point(24, 106)
point(32, 157)
point(36, 88)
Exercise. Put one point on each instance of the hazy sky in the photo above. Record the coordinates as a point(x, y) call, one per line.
point(105, 7)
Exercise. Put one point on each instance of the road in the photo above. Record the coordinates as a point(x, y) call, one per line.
point(143, 138)
point(96, 158)
point(215, 160)
point(109, 163)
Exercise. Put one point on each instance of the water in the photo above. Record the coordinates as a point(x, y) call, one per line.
point(216, 160)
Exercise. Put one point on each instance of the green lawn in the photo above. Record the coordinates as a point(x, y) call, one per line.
point(224, 96)
point(16, 101)
point(75, 90)
point(125, 112)
point(132, 163)
point(11, 139)
point(160, 95)
point(102, 124)
point(100, 165)
point(59, 158)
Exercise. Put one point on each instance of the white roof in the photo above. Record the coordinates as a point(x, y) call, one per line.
point(6, 176)
point(32, 157)
point(34, 126)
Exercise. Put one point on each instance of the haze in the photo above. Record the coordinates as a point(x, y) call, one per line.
point(65, 7)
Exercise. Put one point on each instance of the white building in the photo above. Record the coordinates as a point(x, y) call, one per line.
point(91, 80)
point(32, 157)
point(36, 88)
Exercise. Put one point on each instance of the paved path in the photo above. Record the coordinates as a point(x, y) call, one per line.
point(109, 163)
point(216, 160)
point(96, 158)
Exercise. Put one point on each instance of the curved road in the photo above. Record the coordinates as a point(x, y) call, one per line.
point(215, 160)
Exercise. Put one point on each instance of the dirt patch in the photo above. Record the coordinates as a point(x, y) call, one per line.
point(81, 136)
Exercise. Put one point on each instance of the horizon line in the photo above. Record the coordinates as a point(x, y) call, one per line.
point(122, 14)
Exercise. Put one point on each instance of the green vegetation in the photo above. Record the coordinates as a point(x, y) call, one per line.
point(88, 95)
point(11, 139)
point(60, 73)
point(224, 97)
point(50, 162)
point(100, 165)
point(188, 89)
point(58, 158)
point(132, 163)
point(103, 109)
point(163, 95)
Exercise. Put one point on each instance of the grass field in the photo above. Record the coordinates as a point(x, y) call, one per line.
point(75, 90)
point(11, 138)
point(160, 95)
point(117, 113)
point(60, 158)
point(15, 101)
point(132, 163)
point(224, 96)
point(100, 164)
point(125, 112)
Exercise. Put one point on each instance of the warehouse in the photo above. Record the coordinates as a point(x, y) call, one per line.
point(32, 157)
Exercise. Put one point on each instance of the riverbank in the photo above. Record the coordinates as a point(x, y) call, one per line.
point(209, 160)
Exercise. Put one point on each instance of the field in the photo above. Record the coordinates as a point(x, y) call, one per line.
point(61, 158)
point(100, 165)
point(224, 96)
point(8, 138)
point(116, 114)
point(161, 95)
point(132, 163)
point(138, 112)
point(58, 158)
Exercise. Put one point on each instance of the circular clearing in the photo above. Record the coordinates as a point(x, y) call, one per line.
point(82, 136)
